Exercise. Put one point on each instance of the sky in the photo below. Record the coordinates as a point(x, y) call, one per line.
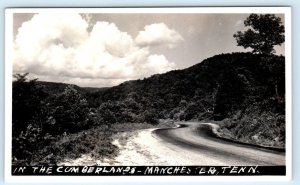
point(104, 50)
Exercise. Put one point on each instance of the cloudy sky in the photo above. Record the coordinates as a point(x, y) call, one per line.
point(102, 50)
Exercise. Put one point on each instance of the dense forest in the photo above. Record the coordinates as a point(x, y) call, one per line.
point(243, 92)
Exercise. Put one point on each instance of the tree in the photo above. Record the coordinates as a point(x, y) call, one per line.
point(264, 33)
point(28, 105)
point(70, 111)
point(30, 114)
point(108, 112)
point(150, 117)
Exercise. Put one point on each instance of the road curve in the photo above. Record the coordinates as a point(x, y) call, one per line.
point(197, 139)
point(189, 144)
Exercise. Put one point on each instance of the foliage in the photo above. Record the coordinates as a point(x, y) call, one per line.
point(214, 89)
point(150, 116)
point(28, 102)
point(226, 86)
point(96, 141)
point(265, 32)
point(70, 111)
point(264, 128)
point(37, 115)
point(27, 143)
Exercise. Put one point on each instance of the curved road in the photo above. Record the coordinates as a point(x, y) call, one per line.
point(197, 138)
point(189, 144)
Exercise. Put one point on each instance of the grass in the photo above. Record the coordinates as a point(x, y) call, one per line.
point(265, 130)
point(96, 141)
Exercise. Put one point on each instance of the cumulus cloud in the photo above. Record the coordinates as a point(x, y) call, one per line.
point(157, 34)
point(65, 47)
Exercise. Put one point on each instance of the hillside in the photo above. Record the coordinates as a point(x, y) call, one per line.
point(244, 90)
point(56, 88)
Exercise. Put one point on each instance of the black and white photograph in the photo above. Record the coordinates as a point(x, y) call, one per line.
point(148, 92)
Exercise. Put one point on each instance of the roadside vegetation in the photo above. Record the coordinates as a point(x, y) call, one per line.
point(48, 127)
point(244, 92)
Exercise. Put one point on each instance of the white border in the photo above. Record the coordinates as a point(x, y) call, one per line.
point(120, 179)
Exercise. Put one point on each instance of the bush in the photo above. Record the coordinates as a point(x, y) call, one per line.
point(150, 117)
point(26, 145)
point(262, 129)
point(70, 111)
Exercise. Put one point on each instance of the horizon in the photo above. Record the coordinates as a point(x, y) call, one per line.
point(143, 78)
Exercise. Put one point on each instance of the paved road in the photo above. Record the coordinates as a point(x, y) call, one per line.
point(189, 144)
point(196, 139)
